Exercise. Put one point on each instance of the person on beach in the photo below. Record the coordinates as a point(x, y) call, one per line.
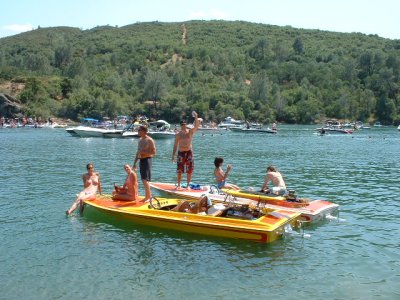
point(145, 152)
point(221, 175)
point(183, 143)
point(129, 191)
point(91, 184)
point(279, 186)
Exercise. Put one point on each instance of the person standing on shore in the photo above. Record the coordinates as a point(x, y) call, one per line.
point(183, 143)
point(145, 152)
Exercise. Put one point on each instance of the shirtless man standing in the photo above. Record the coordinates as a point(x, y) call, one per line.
point(183, 143)
point(146, 150)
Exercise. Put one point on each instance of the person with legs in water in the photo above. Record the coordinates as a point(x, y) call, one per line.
point(91, 185)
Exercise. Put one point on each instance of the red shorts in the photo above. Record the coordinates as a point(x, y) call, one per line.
point(185, 159)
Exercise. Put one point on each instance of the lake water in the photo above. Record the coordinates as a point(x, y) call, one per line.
point(46, 255)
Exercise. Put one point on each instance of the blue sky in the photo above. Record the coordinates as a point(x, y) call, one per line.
point(365, 16)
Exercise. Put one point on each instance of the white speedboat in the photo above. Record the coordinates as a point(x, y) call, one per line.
point(398, 127)
point(161, 134)
point(252, 128)
point(255, 130)
point(333, 126)
point(85, 131)
point(90, 128)
point(209, 130)
point(160, 130)
point(230, 122)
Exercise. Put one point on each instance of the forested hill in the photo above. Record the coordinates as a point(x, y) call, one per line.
point(219, 68)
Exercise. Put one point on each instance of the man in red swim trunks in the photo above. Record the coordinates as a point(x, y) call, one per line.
point(183, 143)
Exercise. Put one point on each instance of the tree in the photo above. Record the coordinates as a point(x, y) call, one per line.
point(258, 52)
point(385, 110)
point(155, 87)
point(62, 56)
point(298, 46)
point(259, 88)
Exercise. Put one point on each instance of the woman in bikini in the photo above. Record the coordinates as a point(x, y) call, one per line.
point(220, 175)
point(129, 191)
point(91, 184)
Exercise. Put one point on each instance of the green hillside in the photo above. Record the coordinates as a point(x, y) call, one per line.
point(244, 70)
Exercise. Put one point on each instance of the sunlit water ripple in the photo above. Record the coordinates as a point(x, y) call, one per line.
point(45, 255)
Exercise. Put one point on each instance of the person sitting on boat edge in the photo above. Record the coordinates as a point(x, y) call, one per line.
point(279, 186)
point(91, 184)
point(129, 191)
point(221, 176)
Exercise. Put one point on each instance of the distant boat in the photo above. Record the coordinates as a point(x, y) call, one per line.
point(211, 127)
point(333, 126)
point(92, 128)
point(253, 130)
point(160, 130)
point(398, 127)
point(377, 124)
point(230, 122)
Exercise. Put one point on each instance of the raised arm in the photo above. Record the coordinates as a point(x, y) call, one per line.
point(196, 122)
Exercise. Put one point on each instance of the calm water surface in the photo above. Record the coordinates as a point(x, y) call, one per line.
point(45, 255)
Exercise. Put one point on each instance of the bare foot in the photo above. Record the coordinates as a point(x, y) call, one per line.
point(178, 188)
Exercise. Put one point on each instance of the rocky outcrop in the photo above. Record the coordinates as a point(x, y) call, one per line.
point(9, 106)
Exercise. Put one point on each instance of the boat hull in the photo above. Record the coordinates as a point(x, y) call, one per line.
point(71, 131)
point(334, 130)
point(84, 131)
point(161, 134)
point(312, 211)
point(113, 133)
point(252, 130)
point(266, 229)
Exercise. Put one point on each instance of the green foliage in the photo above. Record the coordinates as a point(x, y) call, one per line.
point(243, 70)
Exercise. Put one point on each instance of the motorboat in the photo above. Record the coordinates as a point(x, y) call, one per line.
point(310, 210)
point(113, 133)
point(201, 217)
point(333, 126)
point(160, 130)
point(398, 127)
point(330, 130)
point(161, 134)
point(253, 130)
point(85, 128)
point(84, 131)
point(230, 122)
point(210, 127)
